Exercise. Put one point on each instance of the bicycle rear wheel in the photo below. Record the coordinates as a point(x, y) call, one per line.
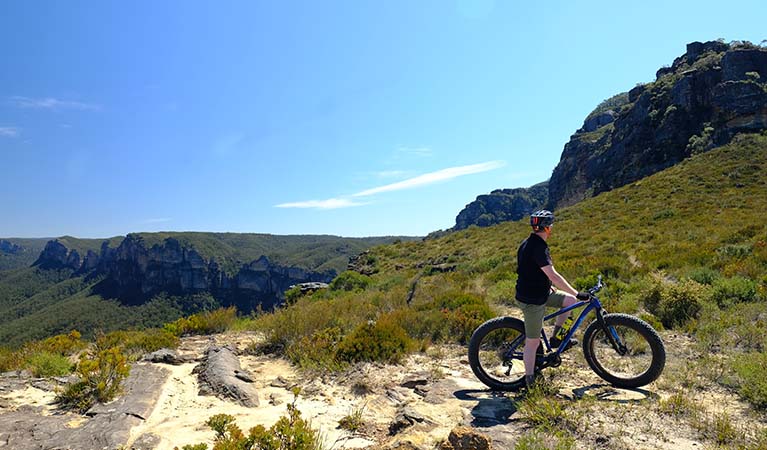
point(638, 362)
point(495, 353)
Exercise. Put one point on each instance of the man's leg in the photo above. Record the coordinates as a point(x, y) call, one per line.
point(533, 315)
point(567, 300)
point(528, 356)
point(560, 300)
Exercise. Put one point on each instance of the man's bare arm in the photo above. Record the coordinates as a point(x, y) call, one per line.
point(558, 280)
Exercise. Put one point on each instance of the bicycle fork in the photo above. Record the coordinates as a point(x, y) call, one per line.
point(611, 334)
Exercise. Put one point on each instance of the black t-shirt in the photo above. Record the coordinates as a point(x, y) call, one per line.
point(533, 286)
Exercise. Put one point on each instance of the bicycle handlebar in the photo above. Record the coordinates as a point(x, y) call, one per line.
point(598, 287)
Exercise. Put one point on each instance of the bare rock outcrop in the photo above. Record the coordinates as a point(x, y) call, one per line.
point(108, 426)
point(220, 374)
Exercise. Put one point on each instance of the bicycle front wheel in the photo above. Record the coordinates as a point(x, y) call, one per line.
point(495, 353)
point(626, 352)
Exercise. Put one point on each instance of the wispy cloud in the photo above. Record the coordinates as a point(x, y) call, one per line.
point(9, 131)
point(52, 104)
point(421, 180)
point(433, 177)
point(331, 203)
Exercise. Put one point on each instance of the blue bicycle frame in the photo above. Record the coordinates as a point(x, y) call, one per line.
point(591, 305)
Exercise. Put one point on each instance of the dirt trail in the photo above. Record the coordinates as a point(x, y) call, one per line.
point(429, 394)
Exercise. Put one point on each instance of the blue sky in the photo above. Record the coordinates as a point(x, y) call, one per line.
point(352, 118)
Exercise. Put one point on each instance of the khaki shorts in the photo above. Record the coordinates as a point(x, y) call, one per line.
point(534, 313)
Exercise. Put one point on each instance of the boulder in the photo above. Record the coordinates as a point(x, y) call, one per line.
point(165, 356)
point(466, 438)
point(220, 374)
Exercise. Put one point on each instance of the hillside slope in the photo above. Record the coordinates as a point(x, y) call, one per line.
point(697, 213)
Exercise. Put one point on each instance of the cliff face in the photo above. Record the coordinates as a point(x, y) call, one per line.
point(502, 205)
point(134, 273)
point(709, 94)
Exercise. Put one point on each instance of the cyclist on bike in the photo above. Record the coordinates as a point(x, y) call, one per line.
point(534, 291)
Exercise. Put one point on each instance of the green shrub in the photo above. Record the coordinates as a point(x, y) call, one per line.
point(729, 291)
point(353, 422)
point(10, 360)
point(63, 344)
point(208, 322)
point(317, 351)
point(750, 369)
point(350, 281)
point(46, 364)
point(383, 340)
point(704, 275)
point(137, 343)
point(652, 320)
point(734, 251)
point(680, 404)
point(101, 373)
point(675, 304)
point(291, 432)
point(452, 314)
point(545, 440)
point(292, 295)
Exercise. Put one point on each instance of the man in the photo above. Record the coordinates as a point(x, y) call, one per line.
point(536, 275)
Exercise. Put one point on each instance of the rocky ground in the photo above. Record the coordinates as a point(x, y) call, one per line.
point(413, 405)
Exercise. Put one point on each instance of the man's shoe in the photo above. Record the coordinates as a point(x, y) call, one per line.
point(533, 380)
point(555, 342)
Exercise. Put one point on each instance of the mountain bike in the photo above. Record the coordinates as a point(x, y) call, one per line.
point(622, 349)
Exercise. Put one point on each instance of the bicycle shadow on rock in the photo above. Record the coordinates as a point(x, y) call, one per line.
point(609, 393)
point(492, 408)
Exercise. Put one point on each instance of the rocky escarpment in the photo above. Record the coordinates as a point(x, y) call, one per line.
point(709, 94)
point(502, 205)
point(133, 273)
point(9, 247)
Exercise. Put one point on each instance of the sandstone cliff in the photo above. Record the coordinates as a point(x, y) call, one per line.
point(502, 205)
point(702, 100)
point(134, 272)
point(709, 94)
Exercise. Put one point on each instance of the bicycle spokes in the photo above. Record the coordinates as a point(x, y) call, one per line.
point(622, 351)
point(500, 355)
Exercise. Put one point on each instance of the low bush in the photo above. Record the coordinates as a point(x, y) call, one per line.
point(101, 373)
point(353, 422)
point(208, 322)
point(9, 360)
point(350, 281)
point(291, 432)
point(548, 440)
point(704, 275)
point(729, 291)
point(383, 340)
point(46, 364)
point(317, 351)
point(675, 304)
point(680, 404)
point(137, 343)
point(292, 295)
point(750, 369)
point(63, 344)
